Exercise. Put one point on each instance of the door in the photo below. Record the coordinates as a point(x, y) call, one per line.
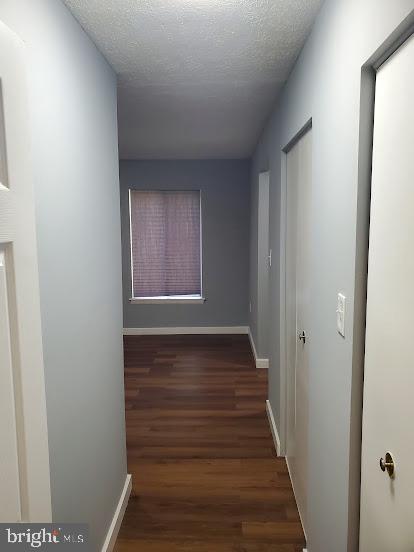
point(263, 264)
point(24, 457)
point(387, 500)
point(298, 251)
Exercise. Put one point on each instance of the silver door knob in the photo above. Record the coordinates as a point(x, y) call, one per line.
point(302, 336)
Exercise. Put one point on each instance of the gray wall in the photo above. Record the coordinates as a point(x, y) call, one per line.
point(326, 85)
point(225, 192)
point(73, 111)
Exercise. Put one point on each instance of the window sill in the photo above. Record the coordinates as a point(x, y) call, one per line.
point(173, 300)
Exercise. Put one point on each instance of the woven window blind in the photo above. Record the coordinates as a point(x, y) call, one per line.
point(165, 243)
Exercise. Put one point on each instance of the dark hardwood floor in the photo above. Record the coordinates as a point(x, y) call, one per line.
point(204, 471)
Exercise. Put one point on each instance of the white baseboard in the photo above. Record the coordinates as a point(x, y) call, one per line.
point(113, 530)
point(297, 502)
point(276, 441)
point(188, 330)
point(273, 427)
point(260, 362)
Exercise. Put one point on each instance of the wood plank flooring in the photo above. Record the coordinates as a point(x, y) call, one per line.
point(204, 471)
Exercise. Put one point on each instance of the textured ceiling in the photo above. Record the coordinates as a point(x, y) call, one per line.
point(197, 78)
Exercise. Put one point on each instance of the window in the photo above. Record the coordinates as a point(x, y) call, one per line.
point(165, 246)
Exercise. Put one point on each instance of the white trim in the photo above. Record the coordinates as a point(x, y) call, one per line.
point(276, 441)
point(296, 500)
point(211, 330)
point(260, 362)
point(273, 427)
point(18, 241)
point(283, 350)
point(173, 300)
point(282, 304)
point(113, 530)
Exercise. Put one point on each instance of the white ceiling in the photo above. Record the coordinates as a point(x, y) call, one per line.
point(197, 78)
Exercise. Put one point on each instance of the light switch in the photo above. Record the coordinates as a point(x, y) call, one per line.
point(340, 314)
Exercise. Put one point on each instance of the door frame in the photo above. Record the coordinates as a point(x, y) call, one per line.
point(25, 331)
point(263, 276)
point(365, 150)
point(283, 360)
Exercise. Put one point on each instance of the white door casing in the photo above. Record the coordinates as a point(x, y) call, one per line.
point(24, 458)
point(388, 411)
point(298, 250)
point(10, 508)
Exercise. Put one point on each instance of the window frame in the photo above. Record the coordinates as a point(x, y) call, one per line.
point(190, 299)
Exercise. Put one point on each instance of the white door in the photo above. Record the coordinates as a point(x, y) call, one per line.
point(299, 194)
point(24, 461)
point(387, 503)
point(263, 262)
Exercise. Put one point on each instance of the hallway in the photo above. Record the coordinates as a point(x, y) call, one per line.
point(205, 474)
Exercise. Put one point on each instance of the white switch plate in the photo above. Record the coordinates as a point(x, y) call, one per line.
point(340, 314)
